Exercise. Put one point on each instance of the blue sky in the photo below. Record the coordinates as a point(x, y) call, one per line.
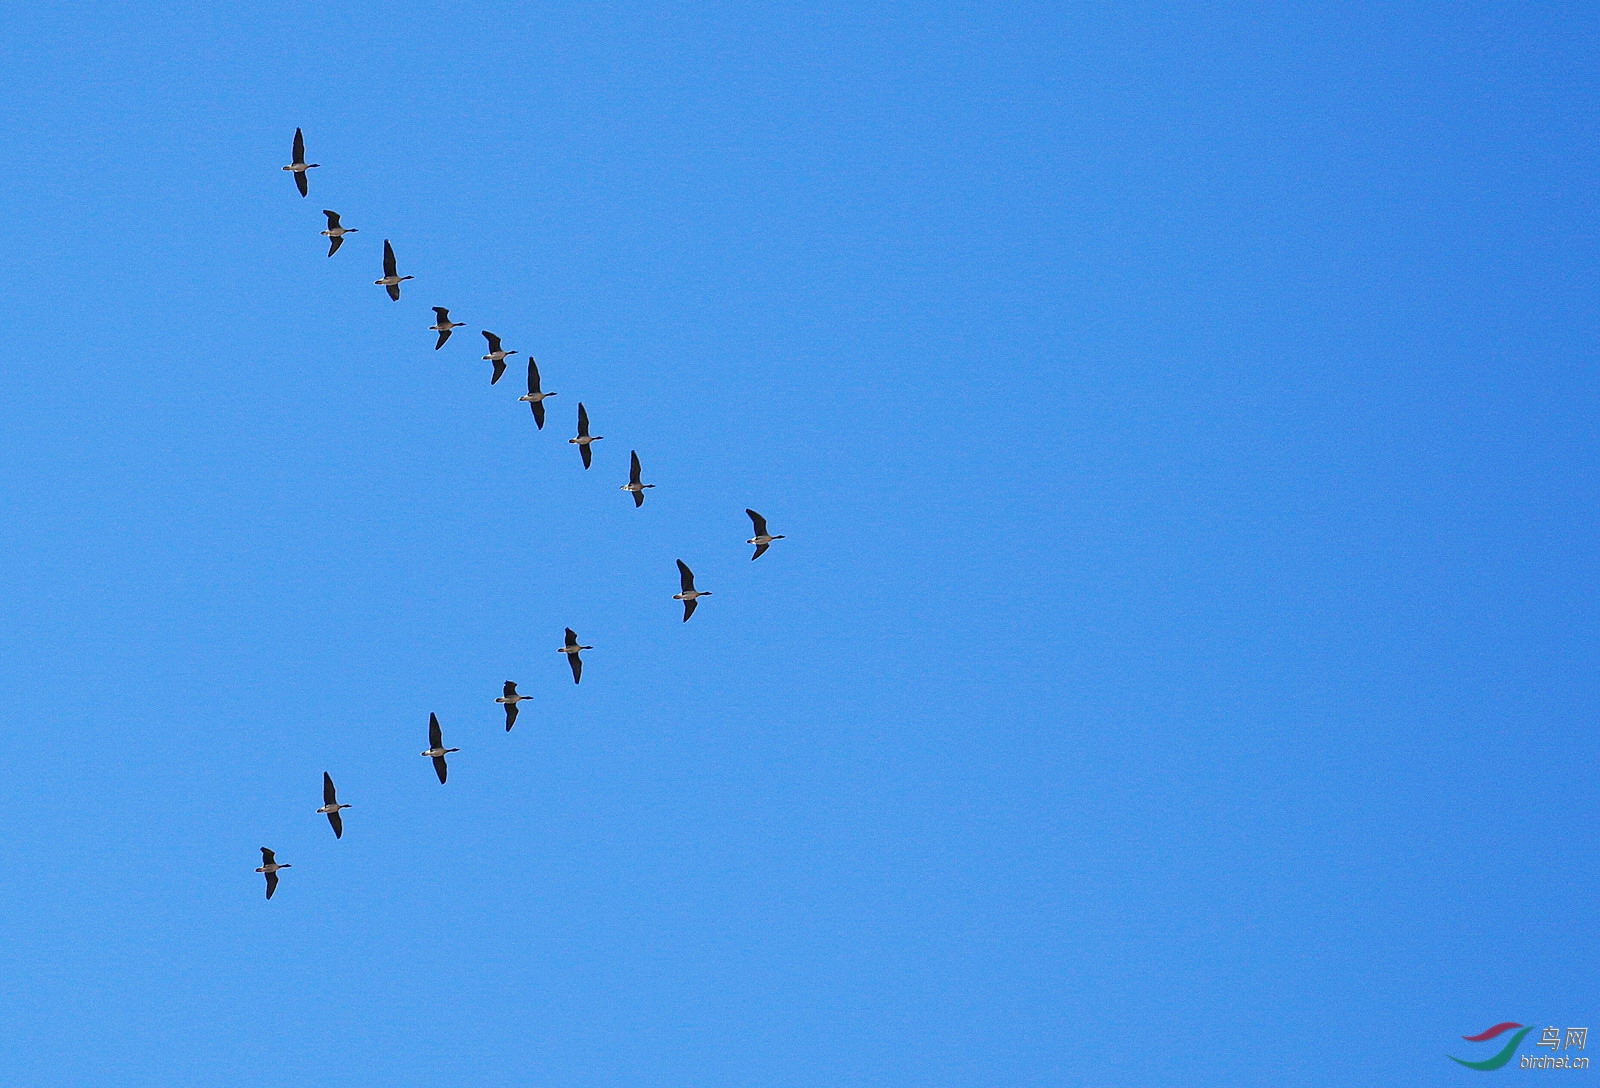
point(1179, 667)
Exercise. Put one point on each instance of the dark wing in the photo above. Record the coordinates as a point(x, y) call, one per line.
point(394, 291)
point(688, 609)
point(299, 147)
point(337, 824)
point(572, 637)
point(305, 190)
point(499, 369)
point(583, 421)
point(267, 857)
point(333, 219)
point(638, 499)
point(583, 451)
point(388, 258)
point(760, 550)
point(686, 577)
point(511, 716)
point(328, 796)
point(538, 413)
point(758, 522)
point(633, 466)
point(440, 769)
point(334, 243)
point(510, 689)
point(494, 341)
point(272, 878)
point(435, 734)
point(441, 313)
point(577, 667)
point(443, 336)
point(533, 376)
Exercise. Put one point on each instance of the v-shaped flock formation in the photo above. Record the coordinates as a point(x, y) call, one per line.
point(535, 397)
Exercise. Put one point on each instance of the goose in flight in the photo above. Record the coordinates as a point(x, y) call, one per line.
point(535, 398)
point(571, 650)
point(270, 866)
point(690, 595)
point(763, 539)
point(436, 749)
point(584, 437)
point(633, 483)
point(331, 806)
point(496, 355)
point(299, 166)
point(443, 325)
point(335, 233)
point(511, 699)
point(391, 281)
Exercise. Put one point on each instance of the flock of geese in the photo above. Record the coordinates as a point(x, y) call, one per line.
point(535, 397)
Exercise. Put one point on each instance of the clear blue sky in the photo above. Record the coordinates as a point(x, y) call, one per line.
point(1180, 668)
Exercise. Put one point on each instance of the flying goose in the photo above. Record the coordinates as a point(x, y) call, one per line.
point(270, 866)
point(299, 166)
point(443, 325)
point(496, 356)
point(763, 539)
point(584, 437)
point(436, 749)
point(535, 398)
point(391, 281)
point(331, 806)
point(511, 699)
point(633, 483)
point(690, 595)
point(571, 650)
point(335, 233)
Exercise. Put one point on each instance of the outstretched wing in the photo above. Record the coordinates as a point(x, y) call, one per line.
point(441, 313)
point(328, 796)
point(440, 769)
point(444, 334)
point(494, 341)
point(394, 291)
point(638, 499)
point(337, 824)
point(533, 376)
point(333, 219)
point(272, 878)
point(572, 637)
point(510, 689)
point(267, 857)
point(633, 467)
point(688, 609)
point(760, 551)
point(511, 716)
point(685, 577)
point(435, 734)
point(334, 243)
point(305, 190)
point(577, 667)
point(583, 421)
point(299, 147)
point(388, 258)
point(583, 451)
point(499, 369)
point(757, 522)
point(538, 413)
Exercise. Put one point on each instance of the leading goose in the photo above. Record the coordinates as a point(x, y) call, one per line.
point(496, 356)
point(633, 483)
point(510, 698)
point(270, 866)
point(690, 595)
point(436, 749)
point(331, 806)
point(390, 281)
point(534, 398)
point(443, 325)
point(763, 539)
point(571, 650)
point(299, 166)
point(584, 437)
point(335, 233)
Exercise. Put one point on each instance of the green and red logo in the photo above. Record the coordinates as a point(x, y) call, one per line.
point(1505, 1052)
